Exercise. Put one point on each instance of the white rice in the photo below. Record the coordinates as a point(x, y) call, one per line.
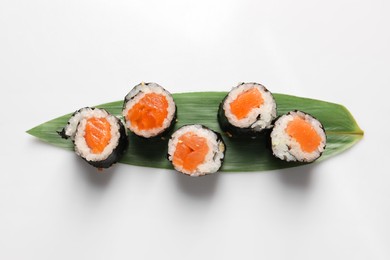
point(76, 130)
point(71, 127)
point(214, 157)
point(287, 148)
point(267, 110)
point(135, 95)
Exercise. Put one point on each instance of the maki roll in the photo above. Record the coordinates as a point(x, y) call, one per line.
point(149, 110)
point(196, 150)
point(247, 110)
point(298, 136)
point(99, 137)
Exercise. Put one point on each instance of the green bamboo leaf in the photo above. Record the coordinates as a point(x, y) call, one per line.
point(241, 155)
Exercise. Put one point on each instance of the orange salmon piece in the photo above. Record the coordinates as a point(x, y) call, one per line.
point(97, 134)
point(245, 102)
point(190, 152)
point(304, 134)
point(150, 112)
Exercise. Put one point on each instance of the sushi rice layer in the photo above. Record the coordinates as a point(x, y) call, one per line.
point(258, 118)
point(214, 157)
point(137, 94)
point(75, 130)
point(81, 146)
point(286, 147)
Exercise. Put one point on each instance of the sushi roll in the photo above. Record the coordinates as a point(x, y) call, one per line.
point(149, 110)
point(298, 136)
point(247, 110)
point(99, 137)
point(196, 150)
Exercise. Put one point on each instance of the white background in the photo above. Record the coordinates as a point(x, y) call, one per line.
point(58, 56)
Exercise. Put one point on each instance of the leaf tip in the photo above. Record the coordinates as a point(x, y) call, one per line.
point(31, 131)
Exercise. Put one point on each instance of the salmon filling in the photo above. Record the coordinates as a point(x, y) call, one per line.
point(150, 112)
point(245, 102)
point(97, 134)
point(191, 151)
point(304, 134)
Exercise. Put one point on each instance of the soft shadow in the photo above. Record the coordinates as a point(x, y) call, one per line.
point(202, 187)
point(298, 177)
point(96, 177)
